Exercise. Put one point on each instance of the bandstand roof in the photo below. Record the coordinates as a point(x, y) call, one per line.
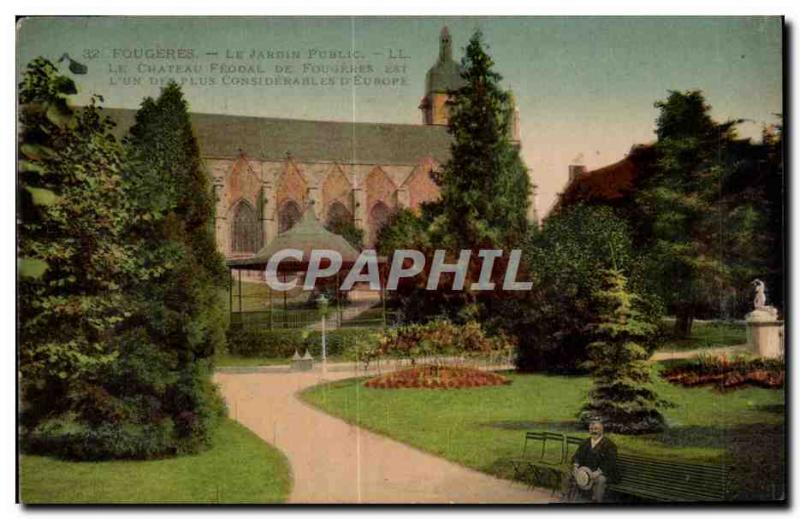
point(306, 235)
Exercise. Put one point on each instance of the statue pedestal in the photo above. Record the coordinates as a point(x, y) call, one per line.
point(304, 363)
point(765, 334)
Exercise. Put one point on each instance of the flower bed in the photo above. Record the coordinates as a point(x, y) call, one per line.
point(439, 338)
point(437, 377)
point(726, 373)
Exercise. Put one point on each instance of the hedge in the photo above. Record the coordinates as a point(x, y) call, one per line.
point(68, 439)
point(282, 343)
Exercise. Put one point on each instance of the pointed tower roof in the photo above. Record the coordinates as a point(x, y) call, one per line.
point(306, 235)
point(445, 45)
point(445, 74)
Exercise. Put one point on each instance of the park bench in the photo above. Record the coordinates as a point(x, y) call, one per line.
point(640, 476)
point(663, 480)
point(541, 459)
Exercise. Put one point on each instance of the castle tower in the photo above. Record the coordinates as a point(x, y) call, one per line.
point(443, 76)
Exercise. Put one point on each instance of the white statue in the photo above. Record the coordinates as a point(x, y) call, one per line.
point(761, 294)
point(760, 301)
point(764, 330)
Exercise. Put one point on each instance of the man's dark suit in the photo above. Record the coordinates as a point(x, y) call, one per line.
point(603, 456)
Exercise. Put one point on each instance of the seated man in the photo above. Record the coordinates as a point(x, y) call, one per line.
point(599, 455)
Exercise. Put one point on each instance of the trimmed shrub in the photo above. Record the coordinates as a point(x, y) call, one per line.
point(70, 439)
point(174, 416)
point(281, 344)
point(256, 342)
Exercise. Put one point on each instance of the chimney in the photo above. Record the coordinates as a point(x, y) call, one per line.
point(576, 170)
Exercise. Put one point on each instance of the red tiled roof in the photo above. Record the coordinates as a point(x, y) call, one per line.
point(609, 183)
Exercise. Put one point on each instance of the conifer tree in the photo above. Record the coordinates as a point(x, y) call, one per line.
point(484, 188)
point(485, 185)
point(620, 395)
point(181, 274)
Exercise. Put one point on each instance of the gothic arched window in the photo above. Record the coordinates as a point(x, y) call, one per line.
point(338, 216)
point(246, 232)
point(378, 216)
point(288, 215)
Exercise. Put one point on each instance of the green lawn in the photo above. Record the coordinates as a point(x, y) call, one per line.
point(239, 468)
point(708, 334)
point(482, 427)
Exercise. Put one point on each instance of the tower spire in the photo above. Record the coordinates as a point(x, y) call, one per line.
point(445, 47)
point(442, 78)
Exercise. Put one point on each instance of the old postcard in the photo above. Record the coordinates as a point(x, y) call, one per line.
point(401, 260)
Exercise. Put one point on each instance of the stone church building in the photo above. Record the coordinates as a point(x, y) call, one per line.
point(265, 171)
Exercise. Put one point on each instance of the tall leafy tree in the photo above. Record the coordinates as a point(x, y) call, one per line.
point(620, 395)
point(774, 204)
point(485, 185)
point(72, 245)
point(405, 230)
point(552, 322)
point(119, 278)
point(686, 204)
point(181, 272)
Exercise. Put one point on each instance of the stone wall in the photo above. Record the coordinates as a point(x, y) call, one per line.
point(367, 193)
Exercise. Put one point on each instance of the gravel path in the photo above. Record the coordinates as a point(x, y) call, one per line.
point(688, 354)
point(334, 462)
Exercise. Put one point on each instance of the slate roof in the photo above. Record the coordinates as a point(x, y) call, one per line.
point(267, 138)
point(445, 74)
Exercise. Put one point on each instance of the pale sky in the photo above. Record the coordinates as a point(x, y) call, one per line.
point(585, 86)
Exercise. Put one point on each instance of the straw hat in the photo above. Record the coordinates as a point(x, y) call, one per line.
point(583, 477)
